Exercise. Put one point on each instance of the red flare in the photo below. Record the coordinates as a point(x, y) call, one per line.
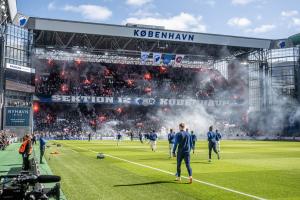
point(93, 122)
point(119, 110)
point(107, 72)
point(102, 118)
point(62, 74)
point(36, 107)
point(87, 82)
point(64, 88)
point(147, 76)
point(130, 82)
point(162, 69)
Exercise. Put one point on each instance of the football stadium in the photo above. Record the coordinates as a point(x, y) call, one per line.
point(104, 111)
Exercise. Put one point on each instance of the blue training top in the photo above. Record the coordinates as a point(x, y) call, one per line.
point(194, 138)
point(42, 143)
point(218, 136)
point(171, 138)
point(153, 137)
point(211, 136)
point(119, 136)
point(184, 142)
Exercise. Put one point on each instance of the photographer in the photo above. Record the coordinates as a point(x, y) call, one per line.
point(26, 150)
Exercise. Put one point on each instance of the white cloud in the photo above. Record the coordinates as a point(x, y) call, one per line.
point(91, 12)
point(262, 29)
point(51, 6)
point(289, 13)
point(137, 2)
point(183, 21)
point(296, 21)
point(239, 22)
point(241, 2)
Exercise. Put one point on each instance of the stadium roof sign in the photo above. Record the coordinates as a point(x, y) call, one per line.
point(145, 33)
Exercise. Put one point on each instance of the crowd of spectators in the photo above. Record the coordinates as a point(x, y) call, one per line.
point(96, 79)
point(6, 138)
point(62, 118)
point(99, 79)
point(66, 121)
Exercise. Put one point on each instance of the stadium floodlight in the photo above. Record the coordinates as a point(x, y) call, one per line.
point(3, 6)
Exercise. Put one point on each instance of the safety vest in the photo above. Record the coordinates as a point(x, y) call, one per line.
point(23, 147)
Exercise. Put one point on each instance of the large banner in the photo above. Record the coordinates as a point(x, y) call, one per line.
point(134, 101)
point(17, 116)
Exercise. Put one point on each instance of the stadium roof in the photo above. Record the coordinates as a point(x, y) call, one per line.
point(96, 38)
point(137, 32)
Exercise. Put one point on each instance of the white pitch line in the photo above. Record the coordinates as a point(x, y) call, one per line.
point(167, 172)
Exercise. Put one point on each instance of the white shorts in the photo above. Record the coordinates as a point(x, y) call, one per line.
point(153, 144)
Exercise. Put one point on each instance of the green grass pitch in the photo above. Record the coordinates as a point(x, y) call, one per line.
point(268, 170)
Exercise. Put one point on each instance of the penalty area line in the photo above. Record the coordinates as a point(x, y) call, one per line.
point(170, 173)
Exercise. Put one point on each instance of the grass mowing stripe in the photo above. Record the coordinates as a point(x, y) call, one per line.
point(167, 172)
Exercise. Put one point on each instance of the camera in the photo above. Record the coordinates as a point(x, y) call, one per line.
point(26, 186)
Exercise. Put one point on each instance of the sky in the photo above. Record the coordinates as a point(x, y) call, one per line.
point(272, 19)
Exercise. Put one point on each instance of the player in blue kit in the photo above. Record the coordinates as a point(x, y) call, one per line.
point(119, 137)
point(183, 145)
point(171, 139)
point(218, 139)
point(212, 143)
point(153, 138)
point(194, 139)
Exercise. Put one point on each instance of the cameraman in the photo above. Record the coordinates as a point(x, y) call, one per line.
point(26, 149)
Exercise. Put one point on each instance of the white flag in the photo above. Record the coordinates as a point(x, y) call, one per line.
point(156, 58)
point(178, 59)
point(144, 57)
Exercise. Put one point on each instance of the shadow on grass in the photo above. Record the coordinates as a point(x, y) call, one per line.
point(164, 158)
point(201, 162)
point(150, 183)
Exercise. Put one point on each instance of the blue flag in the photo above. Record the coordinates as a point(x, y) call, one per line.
point(144, 57)
point(156, 58)
point(167, 59)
